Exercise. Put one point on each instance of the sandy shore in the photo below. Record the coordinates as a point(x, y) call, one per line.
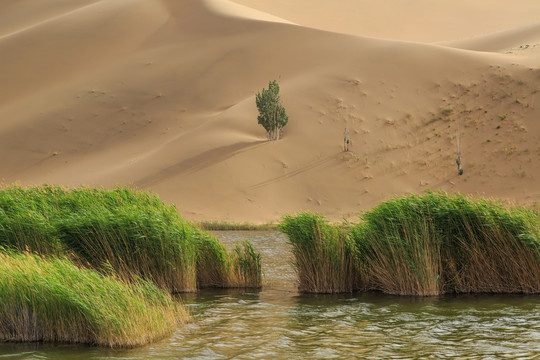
point(159, 94)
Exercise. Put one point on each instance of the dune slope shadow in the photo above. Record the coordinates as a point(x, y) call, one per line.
point(197, 162)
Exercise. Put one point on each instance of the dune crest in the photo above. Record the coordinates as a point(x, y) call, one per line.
point(233, 9)
point(417, 21)
point(502, 39)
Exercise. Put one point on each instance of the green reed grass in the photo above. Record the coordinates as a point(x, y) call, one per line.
point(325, 258)
point(232, 226)
point(246, 269)
point(450, 243)
point(422, 245)
point(218, 267)
point(52, 300)
point(132, 232)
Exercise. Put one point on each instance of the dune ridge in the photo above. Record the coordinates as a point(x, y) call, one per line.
point(159, 94)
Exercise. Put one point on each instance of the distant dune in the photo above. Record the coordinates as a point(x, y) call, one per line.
point(160, 94)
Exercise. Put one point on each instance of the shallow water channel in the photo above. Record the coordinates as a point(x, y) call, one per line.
point(279, 323)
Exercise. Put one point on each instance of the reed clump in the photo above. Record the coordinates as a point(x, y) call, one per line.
point(52, 300)
point(246, 269)
point(217, 267)
point(325, 257)
point(428, 245)
point(133, 233)
point(438, 243)
point(235, 226)
point(101, 255)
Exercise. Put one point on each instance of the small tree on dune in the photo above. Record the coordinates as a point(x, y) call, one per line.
point(272, 115)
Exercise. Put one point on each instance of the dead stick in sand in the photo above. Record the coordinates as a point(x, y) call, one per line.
point(458, 143)
point(346, 140)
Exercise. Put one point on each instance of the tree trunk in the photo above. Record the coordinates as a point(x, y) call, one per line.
point(276, 126)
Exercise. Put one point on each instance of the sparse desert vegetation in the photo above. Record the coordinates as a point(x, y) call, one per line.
point(272, 115)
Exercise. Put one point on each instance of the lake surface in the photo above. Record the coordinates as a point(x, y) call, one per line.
point(279, 323)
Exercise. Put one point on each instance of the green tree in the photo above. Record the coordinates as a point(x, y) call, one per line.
point(272, 114)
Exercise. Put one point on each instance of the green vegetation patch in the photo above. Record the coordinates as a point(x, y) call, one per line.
point(439, 243)
point(426, 245)
point(217, 267)
point(52, 300)
point(232, 226)
point(325, 257)
point(133, 233)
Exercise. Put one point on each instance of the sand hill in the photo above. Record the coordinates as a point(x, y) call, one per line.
point(159, 94)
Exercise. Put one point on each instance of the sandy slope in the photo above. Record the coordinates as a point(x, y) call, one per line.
point(416, 20)
point(160, 94)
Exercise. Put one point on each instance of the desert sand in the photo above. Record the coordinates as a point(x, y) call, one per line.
point(160, 95)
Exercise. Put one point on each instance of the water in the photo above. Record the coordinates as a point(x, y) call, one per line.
point(279, 323)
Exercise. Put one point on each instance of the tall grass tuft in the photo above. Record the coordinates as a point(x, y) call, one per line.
point(233, 226)
point(404, 262)
point(438, 243)
point(133, 233)
point(325, 258)
point(499, 262)
point(246, 269)
point(135, 242)
point(25, 220)
point(217, 267)
point(52, 300)
point(421, 245)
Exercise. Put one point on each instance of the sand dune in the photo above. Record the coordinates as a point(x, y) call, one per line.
point(522, 38)
point(233, 9)
point(418, 20)
point(160, 94)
